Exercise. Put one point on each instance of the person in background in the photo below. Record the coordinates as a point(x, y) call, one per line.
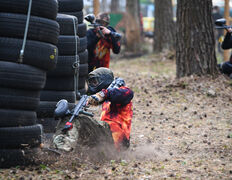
point(98, 46)
point(226, 67)
point(218, 32)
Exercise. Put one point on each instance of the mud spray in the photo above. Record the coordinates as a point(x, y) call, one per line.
point(100, 154)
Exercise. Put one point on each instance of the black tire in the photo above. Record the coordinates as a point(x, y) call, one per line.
point(60, 83)
point(64, 66)
point(14, 118)
point(78, 14)
point(66, 23)
point(19, 99)
point(49, 124)
point(67, 45)
point(83, 70)
point(82, 29)
point(46, 109)
point(83, 44)
point(40, 29)
point(81, 91)
point(42, 8)
point(38, 54)
point(17, 157)
point(70, 5)
point(19, 137)
point(70, 96)
point(83, 56)
point(81, 82)
point(21, 76)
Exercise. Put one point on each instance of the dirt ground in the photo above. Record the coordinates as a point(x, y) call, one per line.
point(181, 129)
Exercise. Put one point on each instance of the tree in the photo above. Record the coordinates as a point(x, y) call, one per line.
point(132, 26)
point(195, 49)
point(96, 7)
point(103, 5)
point(164, 26)
point(114, 5)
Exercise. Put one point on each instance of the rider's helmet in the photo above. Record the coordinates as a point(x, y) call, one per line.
point(99, 79)
point(103, 19)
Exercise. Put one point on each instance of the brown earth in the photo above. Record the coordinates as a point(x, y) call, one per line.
point(181, 129)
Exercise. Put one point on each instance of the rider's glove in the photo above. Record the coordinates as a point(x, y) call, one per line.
point(96, 99)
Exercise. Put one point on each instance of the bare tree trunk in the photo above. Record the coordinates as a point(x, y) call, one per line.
point(139, 15)
point(195, 51)
point(103, 5)
point(96, 7)
point(164, 26)
point(132, 27)
point(114, 5)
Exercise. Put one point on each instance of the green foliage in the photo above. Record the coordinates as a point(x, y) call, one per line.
point(43, 167)
point(147, 1)
point(123, 163)
point(230, 135)
point(219, 58)
point(112, 161)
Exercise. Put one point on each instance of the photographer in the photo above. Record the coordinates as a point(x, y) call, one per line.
point(226, 67)
point(98, 46)
point(218, 32)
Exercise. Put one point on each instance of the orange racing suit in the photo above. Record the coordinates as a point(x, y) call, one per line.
point(99, 48)
point(117, 112)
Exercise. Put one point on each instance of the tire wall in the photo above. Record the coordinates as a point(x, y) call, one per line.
point(21, 82)
point(75, 8)
point(61, 81)
point(67, 80)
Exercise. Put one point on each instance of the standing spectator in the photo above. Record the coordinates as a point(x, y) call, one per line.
point(218, 32)
point(226, 67)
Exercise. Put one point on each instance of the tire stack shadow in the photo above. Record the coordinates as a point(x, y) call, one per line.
point(75, 8)
point(22, 81)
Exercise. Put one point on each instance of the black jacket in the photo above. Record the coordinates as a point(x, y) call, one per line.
point(227, 43)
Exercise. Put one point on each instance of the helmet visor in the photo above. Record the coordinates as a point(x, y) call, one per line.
point(93, 82)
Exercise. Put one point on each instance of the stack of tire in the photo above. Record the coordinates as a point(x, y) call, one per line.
point(21, 83)
point(60, 83)
point(75, 8)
